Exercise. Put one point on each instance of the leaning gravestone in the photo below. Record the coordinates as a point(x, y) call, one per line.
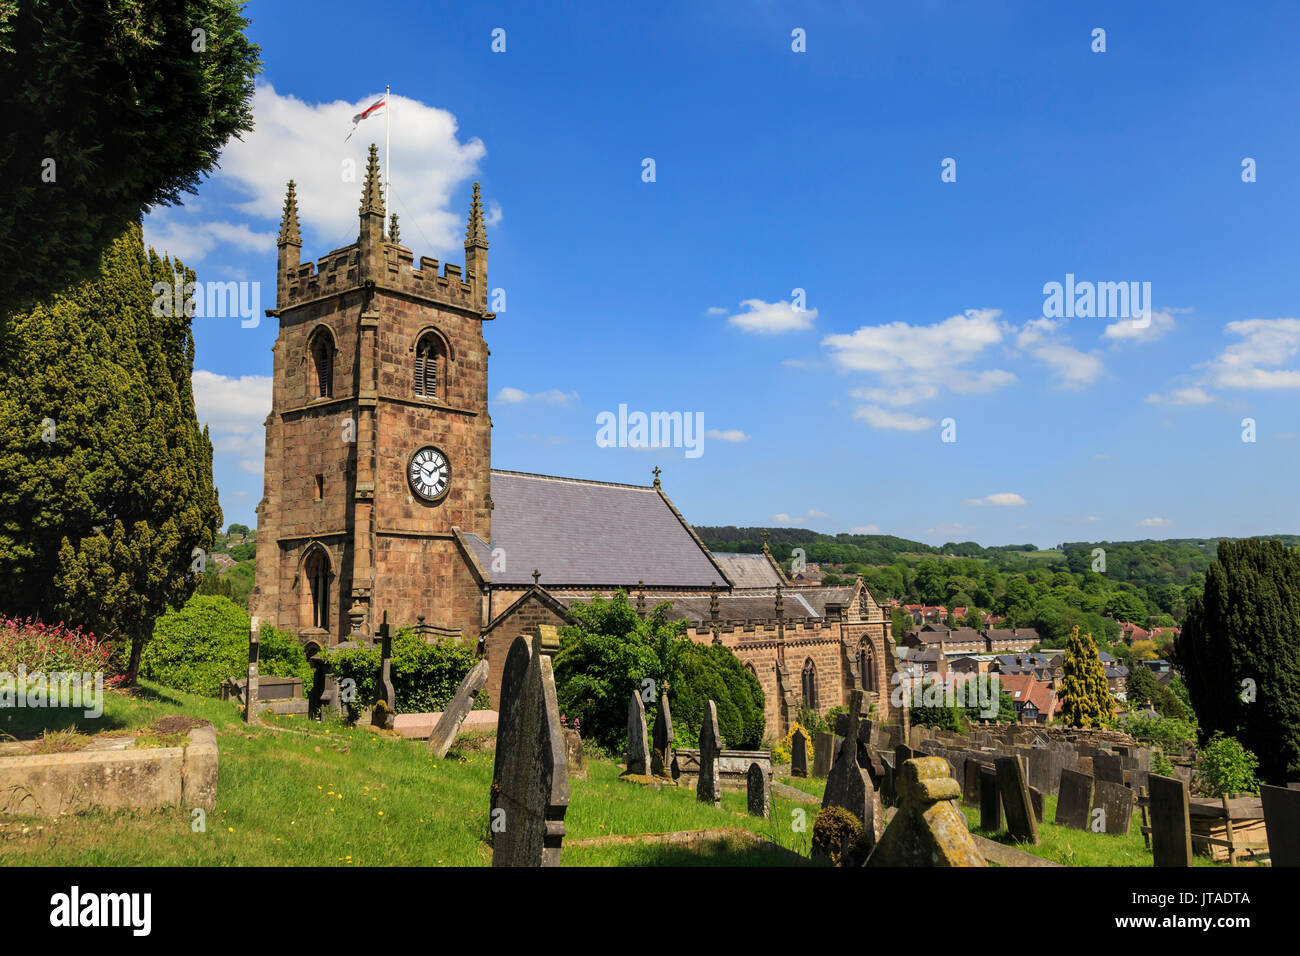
point(928, 829)
point(849, 786)
point(1074, 801)
point(449, 724)
point(1037, 802)
point(530, 780)
point(1013, 790)
point(661, 756)
point(1108, 768)
point(1171, 835)
point(824, 748)
point(760, 792)
point(1115, 801)
point(708, 788)
point(638, 748)
point(990, 801)
point(254, 646)
point(1282, 823)
point(970, 791)
point(798, 754)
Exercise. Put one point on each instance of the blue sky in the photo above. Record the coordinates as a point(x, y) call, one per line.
point(778, 170)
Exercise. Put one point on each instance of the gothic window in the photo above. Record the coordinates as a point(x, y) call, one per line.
point(316, 594)
point(430, 361)
point(809, 683)
point(322, 364)
point(867, 665)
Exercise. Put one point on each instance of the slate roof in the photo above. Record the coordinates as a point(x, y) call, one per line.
point(593, 533)
point(748, 570)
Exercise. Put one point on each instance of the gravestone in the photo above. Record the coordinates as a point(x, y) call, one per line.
point(928, 829)
point(824, 749)
point(1171, 835)
point(1075, 800)
point(661, 754)
point(708, 788)
point(575, 757)
point(1014, 792)
point(387, 692)
point(1116, 804)
point(887, 797)
point(990, 801)
point(798, 754)
point(1036, 801)
point(902, 754)
point(1282, 823)
point(254, 646)
point(638, 748)
point(530, 779)
point(970, 792)
point(760, 792)
point(1108, 768)
point(849, 786)
point(453, 717)
point(1085, 766)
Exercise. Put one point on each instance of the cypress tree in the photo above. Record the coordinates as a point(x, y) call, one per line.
point(1085, 696)
point(108, 485)
point(1239, 652)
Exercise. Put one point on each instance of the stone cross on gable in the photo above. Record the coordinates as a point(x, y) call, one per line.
point(656, 473)
point(536, 576)
point(763, 534)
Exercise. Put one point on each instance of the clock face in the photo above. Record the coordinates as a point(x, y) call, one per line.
point(429, 473)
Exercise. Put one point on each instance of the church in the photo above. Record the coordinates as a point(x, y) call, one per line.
point(380, 494)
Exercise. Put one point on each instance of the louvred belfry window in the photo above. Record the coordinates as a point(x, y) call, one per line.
point(428, 361)
point(322, 360)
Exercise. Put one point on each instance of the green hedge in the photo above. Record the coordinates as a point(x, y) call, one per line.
point(196, 648)
point(425, 676)
point(713, 671)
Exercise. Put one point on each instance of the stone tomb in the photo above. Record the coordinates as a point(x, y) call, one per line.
point(1171, 833)
point(759, 791)
point(453, 718)
point(1074, 800)
point(530, 778)
point(638, 747)
point(1116, 802)
point(928, 829)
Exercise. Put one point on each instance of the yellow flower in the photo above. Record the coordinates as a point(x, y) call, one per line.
point(230, 829)
point(381, 813)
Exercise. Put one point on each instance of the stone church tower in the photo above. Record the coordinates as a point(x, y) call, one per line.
point(378, 445)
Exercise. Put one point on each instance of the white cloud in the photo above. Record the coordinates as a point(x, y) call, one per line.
point(235, 410)
point(1194, 395)
point(1125, 330)
point(1091, 518)
point(190, 242)
point(878, 417)
point(900, 395)
point(726, 434)
point(784, 518)
point(1002, 499)
point(1044, 339)
point(771, 317)
point(1254, 362)
point(917, 348)
point(515, 396)
point(715, 310)
point(1154, 522)
point(865, 529)
point(303, 141)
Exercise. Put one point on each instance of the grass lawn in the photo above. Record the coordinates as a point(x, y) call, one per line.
point(336, 796)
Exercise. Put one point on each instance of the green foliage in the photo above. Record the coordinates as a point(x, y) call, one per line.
point(1160, 764)
point(425, 676)
point(115, 92)
point(108, 477)
point(711, 671)
point(244, 552)
point(838, 836)
point(196, 648)
point(1085, 697)
point(945, 718)
point(1227, 768)
point(240, 529)
point(1168, 731)
point(1246, 627)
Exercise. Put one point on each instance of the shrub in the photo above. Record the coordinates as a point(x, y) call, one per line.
point(783, 752)
point(714, 672)
point(51, 648)
point(425, 676)
point(1227, 767)
point(839, 837)
point(206, 641)
point(1168, 731)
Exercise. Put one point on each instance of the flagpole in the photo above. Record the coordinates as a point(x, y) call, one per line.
point(388, 164)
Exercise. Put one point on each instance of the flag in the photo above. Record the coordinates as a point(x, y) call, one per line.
point(365, 114)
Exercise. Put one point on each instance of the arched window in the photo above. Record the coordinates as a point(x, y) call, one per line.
point(322, 364)
point(316, 595)
point(867, 665)
point(430, 362)
point(809, 683)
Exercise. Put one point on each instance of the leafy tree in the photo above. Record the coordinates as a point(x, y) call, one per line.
point(1085, 697)
point(108, 479)
point(239, 529)
point(117, 96)
point(1239, 652)
point(1227, 768)
point(1144, 651)
point(1142, 687)
point(711, 671)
